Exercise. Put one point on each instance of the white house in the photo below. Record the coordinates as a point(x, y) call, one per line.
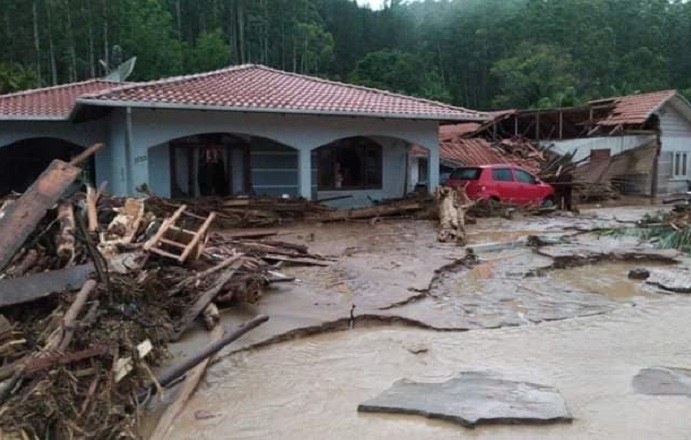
point(244, 129)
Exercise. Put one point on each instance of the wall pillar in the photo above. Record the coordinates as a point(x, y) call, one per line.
point(305, 173)
point(433, 168)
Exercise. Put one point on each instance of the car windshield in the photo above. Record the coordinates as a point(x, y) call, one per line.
point(466, 174)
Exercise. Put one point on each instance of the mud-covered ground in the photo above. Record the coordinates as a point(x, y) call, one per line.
point(395, 303)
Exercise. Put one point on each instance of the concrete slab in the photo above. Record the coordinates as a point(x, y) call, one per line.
point(673, 279)
point(474, 398)
point(663, 381)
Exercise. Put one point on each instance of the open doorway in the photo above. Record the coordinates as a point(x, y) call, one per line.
point(208, 165)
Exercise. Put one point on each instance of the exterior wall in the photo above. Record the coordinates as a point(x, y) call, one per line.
point(136, 150)
point(151, 128)
point(583, 146)
point(675, 136)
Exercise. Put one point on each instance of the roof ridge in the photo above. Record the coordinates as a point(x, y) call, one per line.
point(169, 80)
point(56, 87)
point(365, 88)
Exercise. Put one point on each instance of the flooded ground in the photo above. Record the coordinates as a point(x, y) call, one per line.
point(585, 329)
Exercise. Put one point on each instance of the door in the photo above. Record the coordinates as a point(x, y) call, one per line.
point(505, 186)
point(528, 188)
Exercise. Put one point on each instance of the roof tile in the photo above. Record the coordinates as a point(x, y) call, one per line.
point(260, 88)
point(50, 102)
point(635, 109)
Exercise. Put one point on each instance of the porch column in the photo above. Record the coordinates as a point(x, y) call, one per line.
point(305, 173)
point(433, 168)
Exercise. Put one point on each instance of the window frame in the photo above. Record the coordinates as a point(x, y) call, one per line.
point(363, 148)
point(534, 178)
point(680, 167)
point(509, 169)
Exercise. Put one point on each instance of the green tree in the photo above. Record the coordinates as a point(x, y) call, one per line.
point(147, 33)
point(536, 75)
point(14, 77)
point(210, 52)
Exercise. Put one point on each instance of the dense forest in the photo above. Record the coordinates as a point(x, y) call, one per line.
point(477, 53)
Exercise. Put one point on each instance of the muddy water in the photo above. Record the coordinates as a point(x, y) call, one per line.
point(310, 388)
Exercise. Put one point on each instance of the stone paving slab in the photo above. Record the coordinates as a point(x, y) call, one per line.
point(474, 398)
point(673, 279)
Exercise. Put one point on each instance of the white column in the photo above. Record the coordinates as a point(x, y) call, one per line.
point(433, 168)
point(305, 173)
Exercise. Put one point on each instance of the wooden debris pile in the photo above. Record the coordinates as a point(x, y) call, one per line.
point(92, 290)
point(244, 212)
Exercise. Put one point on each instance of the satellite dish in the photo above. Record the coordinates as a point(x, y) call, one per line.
point(123, 71)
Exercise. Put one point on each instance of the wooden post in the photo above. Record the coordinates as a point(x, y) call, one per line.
point(537, 127)
point(561, 125)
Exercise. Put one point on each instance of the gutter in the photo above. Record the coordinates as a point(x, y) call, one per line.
point(175, 106)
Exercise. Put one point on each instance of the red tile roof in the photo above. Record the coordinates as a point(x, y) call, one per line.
point(50, 102)
point(464, 152)
point(634, 109)
point(262, 89)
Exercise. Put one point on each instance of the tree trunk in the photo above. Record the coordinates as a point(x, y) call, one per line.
point(452, 206)
point(51, 47)
point(37, 42)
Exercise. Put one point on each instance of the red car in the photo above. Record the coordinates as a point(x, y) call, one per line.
point(502, 183)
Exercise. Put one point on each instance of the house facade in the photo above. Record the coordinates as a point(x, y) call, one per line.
point(242, 130)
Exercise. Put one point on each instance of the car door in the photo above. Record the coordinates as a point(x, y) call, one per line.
point(528, 188)
point(504, 183)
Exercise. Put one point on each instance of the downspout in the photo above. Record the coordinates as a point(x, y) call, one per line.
point(128, 151)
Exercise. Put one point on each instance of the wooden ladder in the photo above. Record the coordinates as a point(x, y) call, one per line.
point(171, 238)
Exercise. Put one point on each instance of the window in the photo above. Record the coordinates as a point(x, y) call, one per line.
point(525, 177)
point(466, 174)
point(352, 163)
point(680, 166)
point(502, 175)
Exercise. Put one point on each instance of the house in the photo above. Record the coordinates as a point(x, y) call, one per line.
point(641, 142)
point(651, 131)
point(246, 129)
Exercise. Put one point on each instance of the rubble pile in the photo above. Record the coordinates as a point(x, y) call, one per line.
point(79, 365)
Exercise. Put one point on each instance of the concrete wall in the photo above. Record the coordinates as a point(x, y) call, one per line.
point(152, 128)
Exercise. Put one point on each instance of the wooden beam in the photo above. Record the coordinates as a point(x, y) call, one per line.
point(561, 125)
point(26, 289)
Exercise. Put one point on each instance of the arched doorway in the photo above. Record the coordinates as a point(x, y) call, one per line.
point(23, 161)
point(221, 164)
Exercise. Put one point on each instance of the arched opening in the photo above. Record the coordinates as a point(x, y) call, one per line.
point(222, 164)
point(23, 161)
point(350, 164)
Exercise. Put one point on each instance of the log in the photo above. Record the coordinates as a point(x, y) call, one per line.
point(296, 260)
point(451, 216)
point(65, 239)
point(61, 339)
point(29, 261)
point(203, 301)
point(191, 381)
point(171, 374)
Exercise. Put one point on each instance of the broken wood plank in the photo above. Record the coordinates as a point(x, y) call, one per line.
point(296, 260)
point(191, 381)
point(123, 366)
point(189, 281)
point(375, 211)
point(65, 240)
point(20, 219)
point(171, 374)
point(84, 155)
point(30, 288)
point(204, 300)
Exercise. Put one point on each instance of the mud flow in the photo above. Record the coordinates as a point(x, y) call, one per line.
point(395, 304)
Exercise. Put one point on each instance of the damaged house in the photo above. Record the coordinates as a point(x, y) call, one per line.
point(639, 143)
point(241, 130)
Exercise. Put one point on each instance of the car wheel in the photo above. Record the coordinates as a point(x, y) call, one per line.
point(548, 203)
